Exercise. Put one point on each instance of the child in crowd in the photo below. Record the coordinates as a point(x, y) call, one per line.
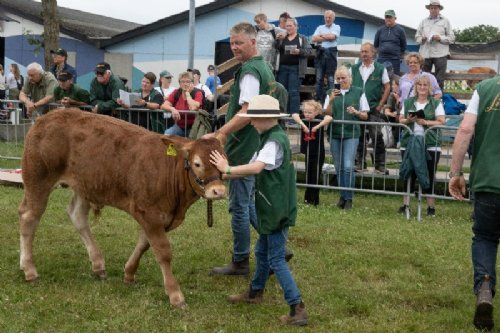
point(393, 107)
point(312, 145)
point(275, 202)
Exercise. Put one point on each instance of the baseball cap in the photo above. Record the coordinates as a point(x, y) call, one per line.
point(165, 74)
point(102, 67)
point(59, 51)
point(390, 12)
point(211, 68)
point(64, 76)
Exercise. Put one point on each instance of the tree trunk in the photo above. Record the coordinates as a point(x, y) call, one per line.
point(51, 29)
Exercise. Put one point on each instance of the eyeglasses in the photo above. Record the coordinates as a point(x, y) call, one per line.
point(185, 81)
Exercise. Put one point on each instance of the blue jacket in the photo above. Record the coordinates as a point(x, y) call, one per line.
point(390, 42)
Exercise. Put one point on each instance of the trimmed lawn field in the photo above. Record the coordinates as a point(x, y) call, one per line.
point(367, 270)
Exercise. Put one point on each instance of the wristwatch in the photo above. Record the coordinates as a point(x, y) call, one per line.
point(455, 174)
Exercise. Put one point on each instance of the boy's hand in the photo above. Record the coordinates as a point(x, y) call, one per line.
point(219, 161)
point(315, 128)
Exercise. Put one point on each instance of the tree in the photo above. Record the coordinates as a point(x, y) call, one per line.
point(51, 29)
point(477, 34)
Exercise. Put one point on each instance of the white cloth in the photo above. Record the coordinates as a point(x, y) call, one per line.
point(363, 102)
point(166, 92)
point(205, 89)
point(249, 87)
point(473, 106)
point(418, 129)
point(366, 71)
point(2, 82)
point(271, 155)
point(11, 81)
point(429, 27)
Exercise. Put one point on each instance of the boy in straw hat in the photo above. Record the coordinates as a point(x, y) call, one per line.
point(276, 204)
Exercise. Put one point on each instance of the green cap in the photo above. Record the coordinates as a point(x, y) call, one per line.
point(390, 12)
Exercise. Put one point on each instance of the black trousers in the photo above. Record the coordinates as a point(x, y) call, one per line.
point(375, 134)
point(314, 167)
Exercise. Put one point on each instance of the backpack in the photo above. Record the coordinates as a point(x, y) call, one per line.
point(451, 105)
point(205, 103)
point(278, 91)
point(20, 83)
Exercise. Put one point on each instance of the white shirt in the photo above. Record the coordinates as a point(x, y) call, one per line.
point(419, 129)
point(2, 82)
point(205, 89)
point(249, 87)
point(271, 155)
point(473, 104)
point(11, 81)
point(166, 92)
point(366, 71)
point(363, 102)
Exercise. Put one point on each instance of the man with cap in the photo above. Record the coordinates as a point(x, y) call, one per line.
point(165, 84)
point(390, 42)
point(434, 34)
point(275, 201)
point(212, 81)
point(105, 90)
point(60, 58)
point(68, 93)
point(38, 90)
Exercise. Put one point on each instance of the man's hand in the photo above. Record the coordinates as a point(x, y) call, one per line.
point(66, 102)
point(30, 107)
point(378, 108)
point(436, 38)
point(457, 187)
point(424, 39)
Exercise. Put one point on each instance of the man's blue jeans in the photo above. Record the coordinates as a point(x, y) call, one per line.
point(242, 208)
point(396, 64)
point(176, 130)
point(288, 76)
point(486, 230)
point(344, 153)
point(270, 254)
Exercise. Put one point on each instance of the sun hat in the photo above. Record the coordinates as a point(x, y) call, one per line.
point(434, 3)
point(263, 106)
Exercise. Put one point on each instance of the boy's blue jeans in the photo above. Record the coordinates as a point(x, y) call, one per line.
point(270, 254)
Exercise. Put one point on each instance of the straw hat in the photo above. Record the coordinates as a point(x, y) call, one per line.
point(434, 3)
point(263, 106)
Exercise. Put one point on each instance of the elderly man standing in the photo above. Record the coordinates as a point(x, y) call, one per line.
point(105, 90)
point(253, 78)
point(372, 77)
point(38, 90)
point(326, 37)
point(434, 34)
point(60, 58)
point(390, 42)
point(482, 119)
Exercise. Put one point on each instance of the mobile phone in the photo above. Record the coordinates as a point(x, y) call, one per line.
point(336, 86)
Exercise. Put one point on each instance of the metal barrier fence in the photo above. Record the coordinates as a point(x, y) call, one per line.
point(14, 125)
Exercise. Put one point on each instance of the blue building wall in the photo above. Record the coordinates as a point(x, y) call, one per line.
point(18, 50)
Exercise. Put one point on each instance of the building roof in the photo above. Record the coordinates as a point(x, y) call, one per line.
point(75, 23)
point(219, 4)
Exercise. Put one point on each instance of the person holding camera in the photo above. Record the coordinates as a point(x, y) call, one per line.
point(325, 36)
point(419, 113)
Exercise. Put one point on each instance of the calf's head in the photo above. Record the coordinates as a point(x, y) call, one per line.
point(204, 177)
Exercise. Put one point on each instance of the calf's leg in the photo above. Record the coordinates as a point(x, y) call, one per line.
point(78, 211)
point(133, 262)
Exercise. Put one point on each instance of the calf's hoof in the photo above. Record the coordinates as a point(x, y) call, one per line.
point(30, 278)
point(177, 300)
point(129, 280)
point(100, 274)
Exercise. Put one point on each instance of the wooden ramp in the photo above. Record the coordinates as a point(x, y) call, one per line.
point(11, 177)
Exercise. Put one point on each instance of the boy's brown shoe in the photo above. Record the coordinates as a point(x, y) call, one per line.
point(248, 296)
point(297, 315)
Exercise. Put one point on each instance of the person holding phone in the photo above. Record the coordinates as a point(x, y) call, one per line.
point(345, 102)
point(419, 113)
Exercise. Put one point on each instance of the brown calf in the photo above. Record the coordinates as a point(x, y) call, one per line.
point(108, 162)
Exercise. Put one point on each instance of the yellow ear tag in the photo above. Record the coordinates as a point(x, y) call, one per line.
point(171, 151)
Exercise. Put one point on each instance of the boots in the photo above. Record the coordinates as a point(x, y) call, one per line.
point(249, 296)
point(233, 268)
point(297, 315)
point(483, 317)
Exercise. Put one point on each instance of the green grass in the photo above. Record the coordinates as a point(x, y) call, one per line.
point(367, 270)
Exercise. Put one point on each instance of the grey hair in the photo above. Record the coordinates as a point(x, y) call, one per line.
point(294, 20)
point(35, 66)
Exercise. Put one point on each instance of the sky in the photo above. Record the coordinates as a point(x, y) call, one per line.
point(461, 13)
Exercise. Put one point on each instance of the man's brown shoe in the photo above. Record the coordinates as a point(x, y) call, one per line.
point(483, 317)
point(248, 296)
point(297, 315)
point(233, 268)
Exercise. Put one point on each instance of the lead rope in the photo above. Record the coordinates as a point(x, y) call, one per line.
point(210, 213)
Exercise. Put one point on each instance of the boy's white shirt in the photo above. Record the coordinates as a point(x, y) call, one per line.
point(271, 155)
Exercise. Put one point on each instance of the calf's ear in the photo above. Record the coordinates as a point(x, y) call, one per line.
point(173, 147)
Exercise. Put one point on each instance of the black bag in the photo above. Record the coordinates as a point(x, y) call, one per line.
point(20, 83)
